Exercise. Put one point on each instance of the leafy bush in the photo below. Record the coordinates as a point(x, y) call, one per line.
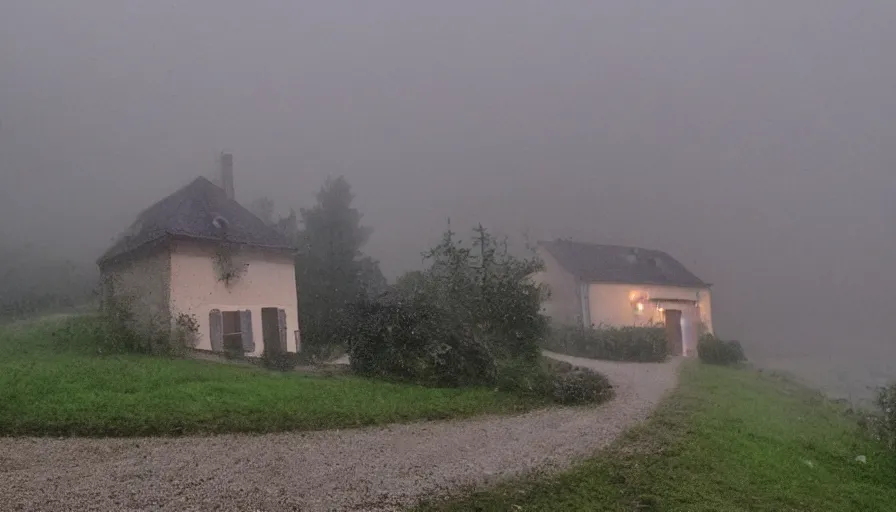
point(473, 311)
point(580, 386)
point(883, 423)
point(714, 350)
point(414, 340)
point(555, 381)
point(628, 343)
point(524, 378)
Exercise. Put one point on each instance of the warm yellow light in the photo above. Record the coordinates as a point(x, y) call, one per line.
point(660, 309)
point(640, 307)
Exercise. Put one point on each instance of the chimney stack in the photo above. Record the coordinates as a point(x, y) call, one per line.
point(227, 174)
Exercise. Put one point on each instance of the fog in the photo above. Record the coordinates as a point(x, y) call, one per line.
point(754, 141)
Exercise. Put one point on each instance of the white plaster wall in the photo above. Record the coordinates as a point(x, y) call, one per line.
point(611, 305)
point(563, 305)
point(269, 281)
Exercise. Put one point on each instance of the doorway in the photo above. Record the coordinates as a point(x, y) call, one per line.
point(673, 332)
point(273, 330)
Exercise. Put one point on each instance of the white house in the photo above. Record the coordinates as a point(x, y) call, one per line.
point(593, 285)
point(199, 257)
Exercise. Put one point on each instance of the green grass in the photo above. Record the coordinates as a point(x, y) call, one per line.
point(53, 385)
point(727, 439)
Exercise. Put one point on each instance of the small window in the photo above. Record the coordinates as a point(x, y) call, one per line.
point(233, 332)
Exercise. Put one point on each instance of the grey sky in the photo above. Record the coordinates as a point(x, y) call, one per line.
point(754, 140)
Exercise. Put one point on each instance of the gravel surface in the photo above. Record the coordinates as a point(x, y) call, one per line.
point(378, 468)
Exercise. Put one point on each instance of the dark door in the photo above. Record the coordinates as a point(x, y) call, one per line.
point(270, 330)
point(673, 332)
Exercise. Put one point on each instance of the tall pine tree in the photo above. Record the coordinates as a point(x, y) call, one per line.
point(331, 270)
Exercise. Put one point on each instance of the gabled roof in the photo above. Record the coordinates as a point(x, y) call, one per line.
point(196, 211)
point(619, 264)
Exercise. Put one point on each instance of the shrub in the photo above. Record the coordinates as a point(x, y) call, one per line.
point(416, 341)
point(472, 312)
point(714, 350)
point(554, 381)
point(884, 422)
point(524, 378)
point(580, 386)
point(629, 343)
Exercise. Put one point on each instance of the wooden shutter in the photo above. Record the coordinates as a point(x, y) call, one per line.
point(246, 327)
point(281, 317)
point(216, 330)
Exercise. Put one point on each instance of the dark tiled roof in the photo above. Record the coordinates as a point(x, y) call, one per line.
point(618, 264)
point(190, 213)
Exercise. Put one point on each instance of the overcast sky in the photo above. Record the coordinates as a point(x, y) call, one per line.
point(753, 140)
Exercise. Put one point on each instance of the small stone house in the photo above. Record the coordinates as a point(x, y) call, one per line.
point(594, 285)
point(197, 267)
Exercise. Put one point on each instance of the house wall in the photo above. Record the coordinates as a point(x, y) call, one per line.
point(269, 281)
point(611, 304)
point(564, 305)
point(139, 283)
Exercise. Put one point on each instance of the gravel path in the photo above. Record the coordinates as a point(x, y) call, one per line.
point(367, 469)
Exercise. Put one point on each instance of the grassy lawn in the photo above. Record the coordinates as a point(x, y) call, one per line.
point(51, 386)
point(726, 440)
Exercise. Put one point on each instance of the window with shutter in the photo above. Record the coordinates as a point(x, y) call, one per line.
point(216, 330)
point(281, 321)
point(248, 341)
point(233, 332)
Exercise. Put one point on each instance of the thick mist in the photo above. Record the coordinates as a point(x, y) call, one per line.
point(754, 141)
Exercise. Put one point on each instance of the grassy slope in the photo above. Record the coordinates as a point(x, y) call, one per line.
point(50, 387)
point(726, 440)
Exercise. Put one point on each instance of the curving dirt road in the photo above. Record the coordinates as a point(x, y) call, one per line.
point(367, 469)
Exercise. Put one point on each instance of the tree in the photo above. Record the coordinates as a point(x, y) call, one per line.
point(331, 270)
point(472, 317)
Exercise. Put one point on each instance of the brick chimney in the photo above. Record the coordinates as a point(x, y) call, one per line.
point(227, 174)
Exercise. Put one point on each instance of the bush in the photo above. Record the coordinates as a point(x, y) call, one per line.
point(883, 423)
point(415, 341)
point(714, 350)
point(629, 343)
point(524, 378)
point(580, 386)
point(554, 381)
point(473, 311)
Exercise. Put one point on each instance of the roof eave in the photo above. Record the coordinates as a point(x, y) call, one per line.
point(645, 283)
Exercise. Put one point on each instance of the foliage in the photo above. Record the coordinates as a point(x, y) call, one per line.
point(580, 386)
point(229, 267)
point(186, 330)
point(628, 343)
point(413, 340)
point(726, 439)
point(555, 381)
point(331, 271)
point(883, 422)
point(52, 382)
point(456, 322)
point(714, 350)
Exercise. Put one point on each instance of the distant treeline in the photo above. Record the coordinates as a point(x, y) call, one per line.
point(34, 281)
